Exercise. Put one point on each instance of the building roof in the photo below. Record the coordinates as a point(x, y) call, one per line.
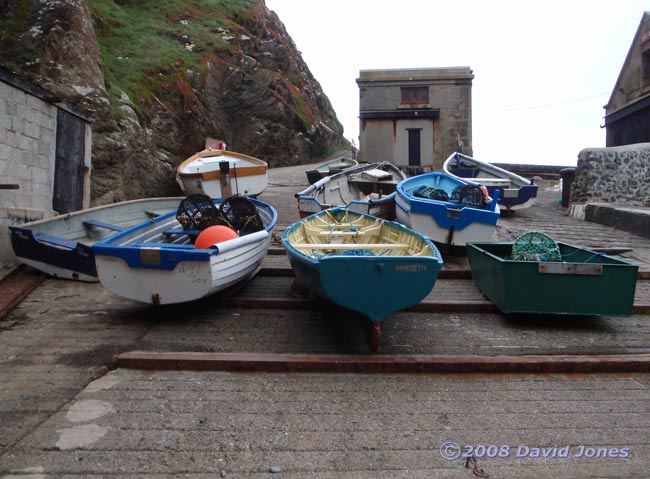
point(645, 18)
point(47, 96)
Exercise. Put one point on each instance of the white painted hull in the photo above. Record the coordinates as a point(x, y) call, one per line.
point(190, 280)
point(201, 174)
point(426, 225)
point(248, 186)
point(61, 246)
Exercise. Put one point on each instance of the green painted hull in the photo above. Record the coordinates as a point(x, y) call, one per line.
point(585, 283)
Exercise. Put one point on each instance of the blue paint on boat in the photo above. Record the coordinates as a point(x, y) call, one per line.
point(376, 286)
point(445, 213)
point(154, 235)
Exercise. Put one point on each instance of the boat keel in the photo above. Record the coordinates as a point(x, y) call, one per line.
point(374, 335)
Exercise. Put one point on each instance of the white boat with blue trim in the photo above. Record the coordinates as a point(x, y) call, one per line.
point(158, 262)
point(448, 210)
point(516, 192)
point(61, 246)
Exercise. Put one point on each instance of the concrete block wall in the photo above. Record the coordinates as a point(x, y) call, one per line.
point(27, 155)
point(618, 175)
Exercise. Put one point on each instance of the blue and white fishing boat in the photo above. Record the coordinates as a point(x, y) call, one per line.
point(448, 210)
point(515, 192)
point(363, 263)
point(61, 246)
point(368, 188)
point(158, 263)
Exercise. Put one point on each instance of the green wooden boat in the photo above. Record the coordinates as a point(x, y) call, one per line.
point(367, 264)
point(579, 282)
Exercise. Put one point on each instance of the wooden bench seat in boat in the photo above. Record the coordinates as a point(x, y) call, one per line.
point(55, 240)
point(350, 245)
point(102, 224)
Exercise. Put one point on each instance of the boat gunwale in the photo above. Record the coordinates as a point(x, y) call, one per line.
point(509, 174)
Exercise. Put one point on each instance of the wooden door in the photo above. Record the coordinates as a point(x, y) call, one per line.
point(69, 163)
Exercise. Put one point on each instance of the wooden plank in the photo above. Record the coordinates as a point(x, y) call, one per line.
point(392, 364)
point(350, 246)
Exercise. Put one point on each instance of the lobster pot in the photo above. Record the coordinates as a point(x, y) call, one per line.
point(583, 282)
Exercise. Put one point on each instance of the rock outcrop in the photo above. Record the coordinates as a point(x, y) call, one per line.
point(237, 77)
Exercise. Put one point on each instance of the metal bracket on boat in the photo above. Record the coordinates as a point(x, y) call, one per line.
point(224, 169)
point(570, 268)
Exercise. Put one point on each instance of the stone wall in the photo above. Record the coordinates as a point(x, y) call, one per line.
point(28, 149)
point(27, 145)
point(613, 175)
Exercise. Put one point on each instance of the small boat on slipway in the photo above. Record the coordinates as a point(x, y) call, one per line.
point(363, 263)
point(516, 192)
point(220, 173)
point(537, 275)
point(329, 168)
point(368, 189)
point(161, 262)
point(447, 209)
point(61, 246)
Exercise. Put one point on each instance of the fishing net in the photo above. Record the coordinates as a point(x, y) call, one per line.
point(240, 213)
point(535, 246)
point(472, 195)
point(431, 193)
point(197, 212)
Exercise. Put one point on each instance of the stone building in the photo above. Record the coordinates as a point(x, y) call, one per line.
point(45, 151)
point(415, 118)
point(627, 113)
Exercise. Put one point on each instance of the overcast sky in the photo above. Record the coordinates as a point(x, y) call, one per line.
point(542, 70)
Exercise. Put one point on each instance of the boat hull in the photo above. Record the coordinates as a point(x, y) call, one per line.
point(202, 174)
point(375, 286)
point(62, 246)
point(189, 280)
point(354, 189)
point(584, 283)
point(328, 168)
point(444, 222)
point(137, 264)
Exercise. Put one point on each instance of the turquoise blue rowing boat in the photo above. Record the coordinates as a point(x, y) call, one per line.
point(360, 262)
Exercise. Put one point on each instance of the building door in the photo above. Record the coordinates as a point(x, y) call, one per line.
point(69, 163)
point(414, 151)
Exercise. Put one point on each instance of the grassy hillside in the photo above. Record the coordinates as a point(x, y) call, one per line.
point(145, 43)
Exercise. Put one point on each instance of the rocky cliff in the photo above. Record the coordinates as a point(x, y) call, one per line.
point(160, 77)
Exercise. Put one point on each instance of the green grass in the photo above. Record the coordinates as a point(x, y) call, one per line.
point(12, 27)
point(143, 43)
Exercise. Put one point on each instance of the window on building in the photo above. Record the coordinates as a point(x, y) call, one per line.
point(418, 95)
point(645, 67)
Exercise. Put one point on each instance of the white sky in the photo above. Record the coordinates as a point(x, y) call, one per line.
point(542, 70)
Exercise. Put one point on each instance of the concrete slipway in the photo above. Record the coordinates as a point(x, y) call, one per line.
point(68, 409)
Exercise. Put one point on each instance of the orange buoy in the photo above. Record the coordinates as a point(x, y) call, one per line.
point(213, 235)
